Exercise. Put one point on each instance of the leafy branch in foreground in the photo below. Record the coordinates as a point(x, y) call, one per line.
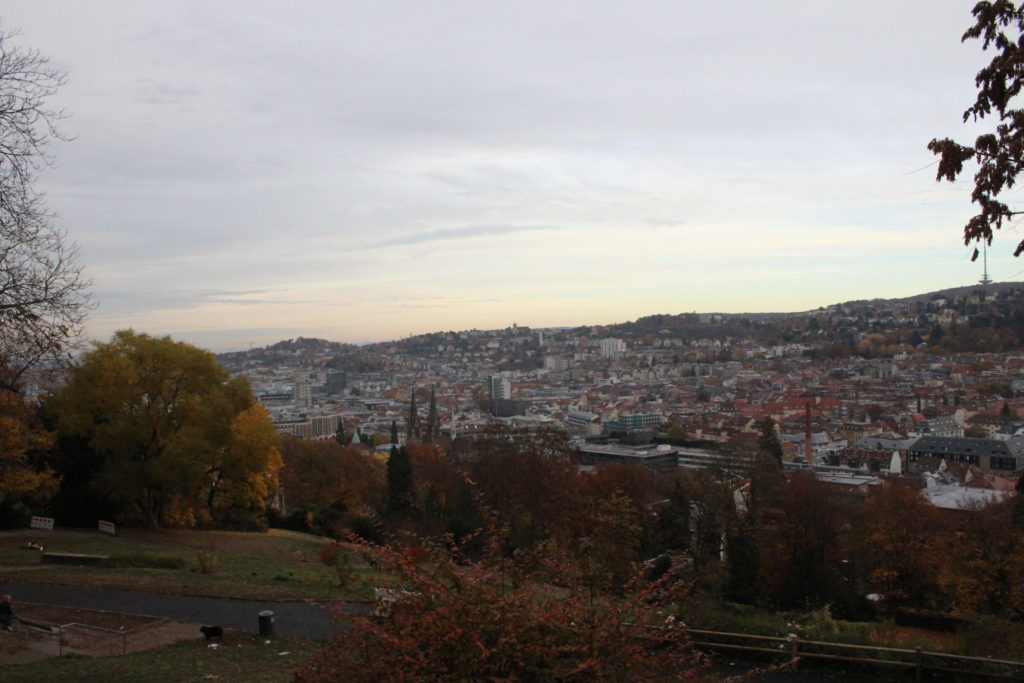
point(999, 154)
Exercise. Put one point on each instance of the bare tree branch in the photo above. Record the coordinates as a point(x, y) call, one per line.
point(43, 293)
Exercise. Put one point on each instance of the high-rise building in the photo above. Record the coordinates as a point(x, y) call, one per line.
point(301, 395)
point(612, 348)
point(500, 387)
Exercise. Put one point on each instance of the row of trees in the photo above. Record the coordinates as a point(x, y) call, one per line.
point(773, 540)
point(520, 565)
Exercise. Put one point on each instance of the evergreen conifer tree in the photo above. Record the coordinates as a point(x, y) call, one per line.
point(399, 473)
point(769, 440)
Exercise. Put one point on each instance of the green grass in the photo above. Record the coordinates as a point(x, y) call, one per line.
point(277, 565)
point(986, 636)
point(242, 658)
point(706, 612)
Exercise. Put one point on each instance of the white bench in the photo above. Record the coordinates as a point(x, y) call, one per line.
point(44, 523)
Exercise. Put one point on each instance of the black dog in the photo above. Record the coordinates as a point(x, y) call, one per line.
point(211, 632)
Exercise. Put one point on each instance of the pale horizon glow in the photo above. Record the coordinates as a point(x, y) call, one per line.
point(246, 172)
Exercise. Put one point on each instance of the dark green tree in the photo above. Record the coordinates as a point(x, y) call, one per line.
point(769, 440)
point(465, 517)
point(673, 530)
point(340, 435)
point(394, 432)
point(1018, 504)
point(743, 563)
point(400, 482)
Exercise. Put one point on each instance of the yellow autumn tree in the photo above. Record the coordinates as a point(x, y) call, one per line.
point(171, 431)
point(246, 473)
point(20, 437)
point(982, 570)
point(900, 538)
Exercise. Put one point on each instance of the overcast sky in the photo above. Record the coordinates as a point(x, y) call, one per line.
point(243, 172)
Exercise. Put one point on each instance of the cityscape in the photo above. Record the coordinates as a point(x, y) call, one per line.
point(704, 379)
point(528, 342)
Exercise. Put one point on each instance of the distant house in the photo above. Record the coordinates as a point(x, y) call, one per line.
point(1010, 430)
point(987, 422)
point(855, 485)
point(947, 495)
point(633, 422)
point(583, 423)
point(860, 458)
point(940, 426)
point(656, 457)
point(990, 455)
point(886, 442)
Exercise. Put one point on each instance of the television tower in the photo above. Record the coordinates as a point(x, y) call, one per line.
point(984, 260)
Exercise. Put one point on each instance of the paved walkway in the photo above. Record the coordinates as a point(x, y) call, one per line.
point(314, 621)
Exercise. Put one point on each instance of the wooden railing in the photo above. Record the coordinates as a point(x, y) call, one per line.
point(797, 649)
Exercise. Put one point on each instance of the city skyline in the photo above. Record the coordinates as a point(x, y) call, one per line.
point(244, 173)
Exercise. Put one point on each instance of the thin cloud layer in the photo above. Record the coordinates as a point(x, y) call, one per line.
point(250, 170)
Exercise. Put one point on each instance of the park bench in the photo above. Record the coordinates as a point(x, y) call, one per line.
point(74, 558)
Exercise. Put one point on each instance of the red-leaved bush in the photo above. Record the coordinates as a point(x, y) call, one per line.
point(495, 619)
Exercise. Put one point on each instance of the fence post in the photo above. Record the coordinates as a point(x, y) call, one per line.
point(794, 647)
point(918, 667)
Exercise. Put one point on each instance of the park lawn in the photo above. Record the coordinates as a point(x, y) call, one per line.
point(239, 658)
point(275, 565)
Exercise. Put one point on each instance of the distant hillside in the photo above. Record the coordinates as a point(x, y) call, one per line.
point(951, 293)
point(959, 319)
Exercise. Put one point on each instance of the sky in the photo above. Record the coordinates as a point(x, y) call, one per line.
point(239, 173)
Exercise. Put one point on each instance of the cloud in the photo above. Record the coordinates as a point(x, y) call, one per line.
point(596, 155)
point(467, 232)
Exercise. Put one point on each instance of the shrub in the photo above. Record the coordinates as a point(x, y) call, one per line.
point(492, 619)
point(339, 558)
point(144, 561)
point(992, 637)
point(207, 562)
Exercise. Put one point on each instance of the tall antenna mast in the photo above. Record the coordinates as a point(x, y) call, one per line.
point(984, 273)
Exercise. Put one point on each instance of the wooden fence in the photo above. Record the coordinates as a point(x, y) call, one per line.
point(918, 661)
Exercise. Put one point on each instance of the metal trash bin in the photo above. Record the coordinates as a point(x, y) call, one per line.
point(266, 623)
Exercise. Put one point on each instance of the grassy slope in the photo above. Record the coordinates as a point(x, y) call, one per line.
point(277, 565)
point(242, 658)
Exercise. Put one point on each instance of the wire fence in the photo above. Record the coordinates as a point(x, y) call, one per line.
point(96, 640)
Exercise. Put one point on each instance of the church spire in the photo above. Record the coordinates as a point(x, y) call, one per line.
point(433, 424)
point(412, 427)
